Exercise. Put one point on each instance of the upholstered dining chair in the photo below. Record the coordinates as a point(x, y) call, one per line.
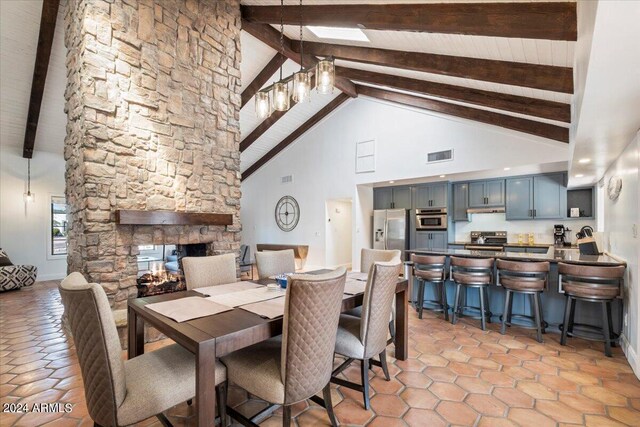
point(295, 366)
point(118, 392)
point(271, 263)
point(362, 338)
point(200, 272)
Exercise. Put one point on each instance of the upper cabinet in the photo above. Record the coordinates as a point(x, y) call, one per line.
point(536, 197)
point(460, 201)
point(392, 198)
point(486, 193)
point(431, 196)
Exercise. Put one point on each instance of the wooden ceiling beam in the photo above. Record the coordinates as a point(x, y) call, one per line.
point(501, 101)
point(271, 37)
point(262, 77)
point(48, 19)
point(296, 134)
point(534, 20)
point(546, 77)
point(531, 127)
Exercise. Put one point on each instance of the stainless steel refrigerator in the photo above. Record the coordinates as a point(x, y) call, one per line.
point(391, 229)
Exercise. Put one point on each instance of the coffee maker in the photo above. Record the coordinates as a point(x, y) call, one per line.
point(559, 235)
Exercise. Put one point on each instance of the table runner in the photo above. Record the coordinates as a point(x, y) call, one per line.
point(248, 296)
point(227, 288)
point(188, 308)
point(269, 309)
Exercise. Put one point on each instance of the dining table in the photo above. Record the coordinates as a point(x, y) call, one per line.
point(215, 336)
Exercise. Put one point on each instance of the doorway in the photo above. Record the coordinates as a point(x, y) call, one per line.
point(338, 233)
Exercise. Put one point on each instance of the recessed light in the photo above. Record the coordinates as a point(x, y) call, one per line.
point(579, 175)
point(584, 161)
point(442, 176)
point(391, 182)
point(339, 33)
point(507, 169)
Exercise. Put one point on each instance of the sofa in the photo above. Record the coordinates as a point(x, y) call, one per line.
point(15, 276)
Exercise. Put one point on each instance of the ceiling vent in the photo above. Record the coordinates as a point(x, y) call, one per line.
point(440, 156)
point(286, 179)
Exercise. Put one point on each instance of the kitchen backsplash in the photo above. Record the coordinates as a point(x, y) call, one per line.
point(543, 229)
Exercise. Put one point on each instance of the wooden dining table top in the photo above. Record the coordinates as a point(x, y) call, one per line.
point(231, 330)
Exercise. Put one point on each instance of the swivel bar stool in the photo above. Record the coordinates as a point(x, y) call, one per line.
point(594, 284)
point(472, 273)
point(525, 278)
point(430, 269)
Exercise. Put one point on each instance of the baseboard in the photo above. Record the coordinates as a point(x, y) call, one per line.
point(632, 357)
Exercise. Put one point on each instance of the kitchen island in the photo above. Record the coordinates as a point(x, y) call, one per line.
point(553, 300)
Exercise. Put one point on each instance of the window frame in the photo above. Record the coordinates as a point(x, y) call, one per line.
point(50, 227)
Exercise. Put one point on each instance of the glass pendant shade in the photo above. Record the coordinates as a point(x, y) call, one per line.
point(280, 96)
point(29, 197)
point(263, 105)
point(325, 76)
point(301, 86)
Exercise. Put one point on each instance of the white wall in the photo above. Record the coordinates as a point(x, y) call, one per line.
point(622, 219)
point(24, 227)
point(322, 163)
point(339, 232)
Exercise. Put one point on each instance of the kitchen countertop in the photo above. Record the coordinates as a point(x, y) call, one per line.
point(571, 256)
point(519, 245)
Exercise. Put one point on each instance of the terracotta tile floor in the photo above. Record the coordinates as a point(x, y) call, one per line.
point(456, 375)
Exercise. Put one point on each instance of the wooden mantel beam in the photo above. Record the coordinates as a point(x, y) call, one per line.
point(517, 104)
point(48, 19)
point(534, 20)
point(337, 101)
point(531, 127)
point(546, 77)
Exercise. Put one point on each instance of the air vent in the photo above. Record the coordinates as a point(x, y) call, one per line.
point(440, 156)
point(286, 179)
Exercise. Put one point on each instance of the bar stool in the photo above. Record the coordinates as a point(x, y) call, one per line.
point(431, 269)
point(591, 284)
point(525, 278)
point(472, 273)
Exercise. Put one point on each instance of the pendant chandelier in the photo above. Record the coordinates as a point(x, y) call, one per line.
point(29, 197)
point(276, 97)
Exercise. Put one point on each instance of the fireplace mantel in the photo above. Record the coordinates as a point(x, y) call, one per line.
point(132, 217)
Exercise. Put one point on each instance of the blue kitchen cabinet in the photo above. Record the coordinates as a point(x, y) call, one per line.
point(392, 198)
point(460, 201)
point(432, 240)
point(431, 196)
point(486, 194)
point(549, 196)
point(401, 197)
point(519, 203)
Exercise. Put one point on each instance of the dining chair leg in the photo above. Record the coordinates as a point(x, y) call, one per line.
point(364, 373)
point(383, 364)
point(505, 313)
point(164, 420)
point(536, 305)
point(613, 343)
point(392, 331)
point(483, 321)
point(286, 416)
point(456, 298)
point(221, 401)
point(420, 301)
point(606, 330)
point(328, 405)
point(445, 304)
point(565, 324)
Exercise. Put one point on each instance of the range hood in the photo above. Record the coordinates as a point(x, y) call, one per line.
point(495, 209)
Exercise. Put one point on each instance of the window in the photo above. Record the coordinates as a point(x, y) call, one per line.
point(58, 234)
point(366, 156)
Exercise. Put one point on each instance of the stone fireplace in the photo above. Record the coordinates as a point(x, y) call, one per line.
point(153, 104)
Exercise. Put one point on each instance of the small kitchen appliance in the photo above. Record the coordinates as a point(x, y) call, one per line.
point(431, 219)
point(560, 235)
point(487, 241)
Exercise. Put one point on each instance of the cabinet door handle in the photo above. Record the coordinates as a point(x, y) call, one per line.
point(534, 213)
point(531, 213)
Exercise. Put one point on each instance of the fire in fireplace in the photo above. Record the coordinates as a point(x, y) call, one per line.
point(160, 267)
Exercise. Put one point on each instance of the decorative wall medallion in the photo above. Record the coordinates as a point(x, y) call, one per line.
point(287, 213)
point(615, 187)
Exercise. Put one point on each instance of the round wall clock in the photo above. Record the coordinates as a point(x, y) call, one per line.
point(287, 213)
point(615, 187)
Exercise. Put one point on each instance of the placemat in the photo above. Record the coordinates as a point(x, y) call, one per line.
point(269, 309)
point(188, 308)
point(236, 299)
point(226, 288)
point(353, 287)
point(357, 275)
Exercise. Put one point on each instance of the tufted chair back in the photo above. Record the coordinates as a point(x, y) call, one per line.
point(312, 310)
point(369, 256)
point(98, 347)
point(209, 270)
point(376, 306)
point(271, 263)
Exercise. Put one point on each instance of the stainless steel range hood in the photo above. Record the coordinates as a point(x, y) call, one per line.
point(496, 209)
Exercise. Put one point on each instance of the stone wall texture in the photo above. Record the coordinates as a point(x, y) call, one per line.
point(153, 124)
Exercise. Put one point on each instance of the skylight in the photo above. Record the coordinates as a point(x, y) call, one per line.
point(338, 33)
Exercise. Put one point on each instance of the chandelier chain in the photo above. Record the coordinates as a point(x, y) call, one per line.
point(281, 33)
point(301, 51)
